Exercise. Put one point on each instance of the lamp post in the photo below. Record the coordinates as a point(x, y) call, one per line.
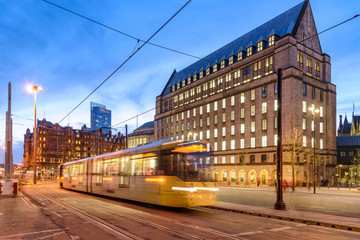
point(34, 89)
point(313, 110)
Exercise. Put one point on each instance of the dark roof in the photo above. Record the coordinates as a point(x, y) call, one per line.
point(356, 122)
point(147, 125)
point(281, 25)
point(348, 140)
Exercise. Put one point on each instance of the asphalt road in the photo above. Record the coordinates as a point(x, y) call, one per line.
point(53, 213)
point(340, 203)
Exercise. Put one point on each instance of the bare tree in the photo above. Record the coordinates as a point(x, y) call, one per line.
point(294, 141)
point(242, 161)
point(356, 162)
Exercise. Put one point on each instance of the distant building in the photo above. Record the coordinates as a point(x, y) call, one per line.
point(100, 117)
point(348, 148)
point(229, 98)
point(142, 135)
point(349, 128)
point(57, 144)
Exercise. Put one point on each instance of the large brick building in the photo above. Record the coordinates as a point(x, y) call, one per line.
point(230, 99)
point(57, 144)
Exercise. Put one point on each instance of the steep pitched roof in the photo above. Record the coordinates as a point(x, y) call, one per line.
point(283, 24)
point(348, 141)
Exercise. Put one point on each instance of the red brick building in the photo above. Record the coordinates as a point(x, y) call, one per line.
point(230, 99)
point(57, 144)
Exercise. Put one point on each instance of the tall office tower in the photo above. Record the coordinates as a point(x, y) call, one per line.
point(100, 117)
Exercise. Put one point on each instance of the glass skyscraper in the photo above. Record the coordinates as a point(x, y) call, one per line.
point(100, 117)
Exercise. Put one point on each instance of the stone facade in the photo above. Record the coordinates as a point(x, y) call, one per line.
point(232, 104)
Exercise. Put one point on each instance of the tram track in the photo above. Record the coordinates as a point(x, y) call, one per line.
point(119, 232)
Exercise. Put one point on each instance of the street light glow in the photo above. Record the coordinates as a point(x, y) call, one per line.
point(30, 88)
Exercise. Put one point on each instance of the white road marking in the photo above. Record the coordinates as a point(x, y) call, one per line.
point(32, 233)
point(51, 235)
point(27, 202)
point(56, 214)
point(280, 229)
point(247, 233)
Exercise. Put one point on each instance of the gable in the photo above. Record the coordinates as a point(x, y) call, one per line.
point(306, 28)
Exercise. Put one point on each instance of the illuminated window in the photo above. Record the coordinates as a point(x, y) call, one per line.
point(224, 103)
point(232, 100)
point(275, 140)
point(242, 128)
point(207, 134)
point(312, 126)
point(232, 160)
point(215, 133)
point(304, 107)
point(224, 173)
point(231, 59)
point(201, 135)
point(188, 113)
point(275, 122)
point(215, 67)
point(224, 131)
point(194, 124)
point(321, 112)
point(264, 124)
point(264, 141)
point(215, 119)
point(232, 115)
point(224, 117)
point(252, 94)
point(252, 110)
point(312, 142)
point(252, 141)
point(215, 106)
point(182, 115)
point(321, 127)
point(268, 61)
point(242, 97)
point(201, 110)
point(249, 51)
point(242, 143)
point(194, 112)
point(304, 141)
point(207, 121)
point(215, 148)
point(264, 107)
point(223, 145)
point(232, 144)
point(271, 40)
point(260, 46)
point(208, 107)
point(304, 124)
point(252, 126)
point(232, 130)
point(242, 113)
point(275, 105)
point(321, 143)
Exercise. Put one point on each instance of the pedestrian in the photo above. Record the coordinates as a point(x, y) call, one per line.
point(258, 182)
point(284, 186)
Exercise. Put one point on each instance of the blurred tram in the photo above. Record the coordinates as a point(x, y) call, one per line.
point(167, 173)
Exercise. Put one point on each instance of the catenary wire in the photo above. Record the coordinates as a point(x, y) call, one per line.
point(156, 32)
point(133, 117)
point(126, 34)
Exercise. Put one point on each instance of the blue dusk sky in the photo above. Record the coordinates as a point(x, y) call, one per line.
point(69, 56)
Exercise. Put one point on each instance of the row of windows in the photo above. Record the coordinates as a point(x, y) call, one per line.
point(309, 65)
point(313, 92)
point(223, 63)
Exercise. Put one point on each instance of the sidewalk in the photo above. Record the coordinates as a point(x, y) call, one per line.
point(311, 218)
point(323, 189)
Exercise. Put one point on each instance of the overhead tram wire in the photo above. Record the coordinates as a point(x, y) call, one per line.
point(133, 117)
point(157, 31)
point(126, 34)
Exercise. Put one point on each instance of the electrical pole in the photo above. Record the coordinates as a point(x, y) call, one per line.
point(126, 136)
point(8, 141)
point(279, 204)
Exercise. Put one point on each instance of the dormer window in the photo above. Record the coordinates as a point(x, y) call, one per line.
point(271, 40)
point(223, 63)
point(260, 46)
point(232, 59)
point(173, 88)
point(189, 80)
point(201, 74)
point(249, 51)
point(195, 77)
point(178, 85)
point(215, 67)
point(241, 55)
point(208, 70)
point(183, 83)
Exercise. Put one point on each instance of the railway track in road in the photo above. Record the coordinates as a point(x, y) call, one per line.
point(163, 223)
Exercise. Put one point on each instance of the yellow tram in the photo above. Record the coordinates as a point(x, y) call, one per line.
point(167, 173)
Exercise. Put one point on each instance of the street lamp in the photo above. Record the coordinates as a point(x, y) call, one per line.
point(34, 89)
point(313, 110)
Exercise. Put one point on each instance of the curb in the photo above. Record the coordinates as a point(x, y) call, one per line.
point(291, 219)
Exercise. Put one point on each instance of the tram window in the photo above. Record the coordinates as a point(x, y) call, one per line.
point(143, 166)
point(111, 167)
point(81, 172)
